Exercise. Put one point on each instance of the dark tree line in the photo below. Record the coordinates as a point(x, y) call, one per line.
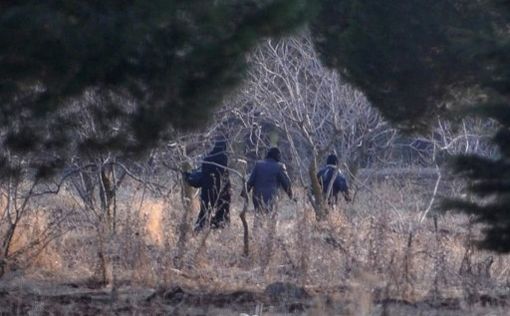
point(158, 64)
point(161, 66)
point(488, 178)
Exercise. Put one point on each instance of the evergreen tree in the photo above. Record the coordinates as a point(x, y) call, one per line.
point(399, 53)
point(155, 65)
point(488, 178)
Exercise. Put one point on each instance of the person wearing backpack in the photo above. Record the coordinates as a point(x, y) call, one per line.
point(332, 181)
point(215, 190)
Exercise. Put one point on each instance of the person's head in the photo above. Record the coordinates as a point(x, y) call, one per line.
point(220, 145)
point(274, 153)
point(332, 160)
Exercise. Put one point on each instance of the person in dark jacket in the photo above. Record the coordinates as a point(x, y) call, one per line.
point(266, 177)
point(332, 181)
point(215, 188)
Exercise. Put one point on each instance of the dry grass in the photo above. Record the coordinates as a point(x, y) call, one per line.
point(368, 258)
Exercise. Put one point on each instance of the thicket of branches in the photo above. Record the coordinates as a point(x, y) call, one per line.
point(288, 98)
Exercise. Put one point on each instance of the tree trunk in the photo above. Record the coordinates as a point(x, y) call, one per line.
point(187, 201)
point(318, 202)
point(107, 248)
point(246, 236)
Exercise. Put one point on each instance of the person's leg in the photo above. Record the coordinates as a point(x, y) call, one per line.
point(257, 230)
point(258, 236)
point(270, 221)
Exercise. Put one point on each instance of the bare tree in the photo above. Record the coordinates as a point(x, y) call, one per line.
point(21, 190)
point(313, 110)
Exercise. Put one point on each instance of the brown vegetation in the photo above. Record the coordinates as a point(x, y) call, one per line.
point(373, 256)
point(110, 234)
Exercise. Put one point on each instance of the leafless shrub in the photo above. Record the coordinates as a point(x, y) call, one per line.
point(133, 218)
point(309, 107)
point(26, 226)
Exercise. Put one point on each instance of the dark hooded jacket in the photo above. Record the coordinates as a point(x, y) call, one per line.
point(214, 182)
point(330, 173)
point(267, 176)
point(214, 177)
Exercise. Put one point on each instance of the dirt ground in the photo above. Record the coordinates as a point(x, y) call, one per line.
point(22, 296)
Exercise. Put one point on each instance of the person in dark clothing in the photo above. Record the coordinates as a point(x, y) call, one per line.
point(266, 177)
point(332, 181)
point(215, 188)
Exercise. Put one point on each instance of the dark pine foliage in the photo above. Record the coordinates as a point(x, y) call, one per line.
point(155, 65)
point(399, 52)
point(489, 178)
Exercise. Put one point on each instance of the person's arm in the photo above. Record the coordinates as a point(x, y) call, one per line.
point(347, 195)
point(284, 180)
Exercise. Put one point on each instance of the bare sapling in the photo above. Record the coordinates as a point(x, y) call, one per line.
point(187, 193)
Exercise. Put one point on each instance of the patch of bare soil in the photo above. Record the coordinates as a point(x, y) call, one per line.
point(87, 298)
point(25, 297)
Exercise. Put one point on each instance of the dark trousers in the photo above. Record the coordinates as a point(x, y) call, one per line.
point(263, 206)
point(221, 206)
